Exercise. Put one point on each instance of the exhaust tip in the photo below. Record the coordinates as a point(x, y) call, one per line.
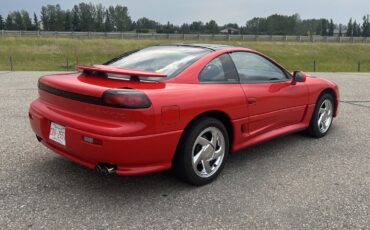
point(105, 168)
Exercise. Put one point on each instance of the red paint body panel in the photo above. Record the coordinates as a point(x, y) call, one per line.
point(130, 153)
point(145, 140)
point(275, 105)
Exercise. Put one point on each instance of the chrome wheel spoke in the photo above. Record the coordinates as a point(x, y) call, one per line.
point(321, 118)
point(219, 152)
point(198, 157)
point(325, 117)
point(214, 139)
point(202, 141)
point(208, 152)
point(206, 167)
point(323, 124)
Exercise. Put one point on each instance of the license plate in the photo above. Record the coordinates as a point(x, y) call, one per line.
point(57, 133)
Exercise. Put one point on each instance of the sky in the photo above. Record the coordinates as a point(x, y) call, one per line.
point(223, 11)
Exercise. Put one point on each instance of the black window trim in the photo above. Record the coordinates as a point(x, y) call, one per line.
point(221, 82)
point(285, 72)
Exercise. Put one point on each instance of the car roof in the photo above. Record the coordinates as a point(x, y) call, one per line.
point(213, 47)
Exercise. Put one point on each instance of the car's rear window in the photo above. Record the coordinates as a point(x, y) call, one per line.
point(170, 60)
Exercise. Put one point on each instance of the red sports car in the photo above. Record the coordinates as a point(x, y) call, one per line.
point(179, 106)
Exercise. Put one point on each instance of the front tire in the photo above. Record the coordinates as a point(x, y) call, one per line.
point(323, 117)
point(202, 151)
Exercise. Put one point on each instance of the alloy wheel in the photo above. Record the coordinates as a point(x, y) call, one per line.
point(208, 152)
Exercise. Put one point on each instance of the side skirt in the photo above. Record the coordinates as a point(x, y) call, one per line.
point(278, 132)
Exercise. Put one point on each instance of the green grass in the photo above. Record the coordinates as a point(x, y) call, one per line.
point(30, 53)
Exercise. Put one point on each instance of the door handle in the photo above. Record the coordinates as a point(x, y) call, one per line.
point(252, 101)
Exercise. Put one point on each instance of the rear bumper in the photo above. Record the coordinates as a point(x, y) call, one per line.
point(132, 155)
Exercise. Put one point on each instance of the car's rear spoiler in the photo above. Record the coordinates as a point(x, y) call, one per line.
point(119, 71)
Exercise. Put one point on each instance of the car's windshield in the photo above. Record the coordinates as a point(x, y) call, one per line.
point(170, 60)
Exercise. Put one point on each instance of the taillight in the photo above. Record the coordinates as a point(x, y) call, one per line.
point(126, 98)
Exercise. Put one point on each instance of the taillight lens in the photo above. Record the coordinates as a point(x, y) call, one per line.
point(126, 98)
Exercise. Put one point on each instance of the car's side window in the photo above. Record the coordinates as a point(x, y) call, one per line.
point(253, 68)
point(219, 70)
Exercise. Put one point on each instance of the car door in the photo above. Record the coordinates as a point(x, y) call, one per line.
point(273, 101)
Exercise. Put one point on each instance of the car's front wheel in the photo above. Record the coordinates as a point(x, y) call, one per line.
point(323, 116)
point(202, 151)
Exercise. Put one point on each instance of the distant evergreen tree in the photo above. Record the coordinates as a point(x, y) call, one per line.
point(356, 29)
point(59, 18)
point(18, 20)
point(144, 24)
point(75, 19)
point(169, 29)
point(366, 26)
point(232, 25)
point(331, 28)
point(68, 21)
point(319, 29)
point(1, 23)
point(324, 28)
point(185, 28)
point(99, 19)
point(53, 18)
point(350, 28)
point(86, 17)
point(36, 24)
point(26, 21)
point(211, 27)
point(359, 31)
point(122, 20)
point(340, 34)
point(112, 18)
point(134, 26)
point(108, 24)
point(256, 26)
point(197, 27)
point(9, 23)
point(44, 18)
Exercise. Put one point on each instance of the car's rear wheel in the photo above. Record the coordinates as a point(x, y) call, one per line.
point(202, 151)
point(323, 116)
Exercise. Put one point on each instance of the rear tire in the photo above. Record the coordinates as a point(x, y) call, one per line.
point(202, 151)
point(322, 117)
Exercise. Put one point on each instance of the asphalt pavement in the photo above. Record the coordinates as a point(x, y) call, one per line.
point(292, 182)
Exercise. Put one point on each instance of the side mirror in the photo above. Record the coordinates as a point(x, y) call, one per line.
point(298, 76)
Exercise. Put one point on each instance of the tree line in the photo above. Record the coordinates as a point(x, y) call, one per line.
point(96, 17)
point(355, 29)
point(290, 25)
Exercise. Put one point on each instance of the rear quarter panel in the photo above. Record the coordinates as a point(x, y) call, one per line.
point(187, 101)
